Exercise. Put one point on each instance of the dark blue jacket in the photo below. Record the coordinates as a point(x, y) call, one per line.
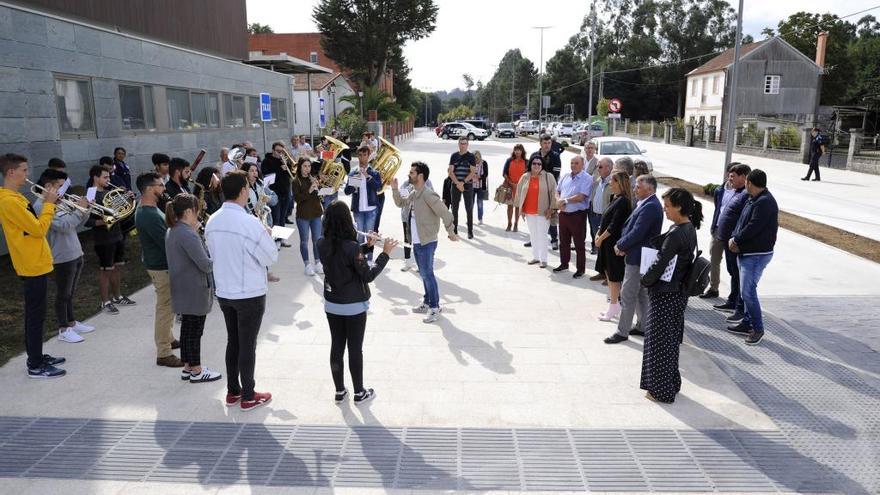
point(758, 224)
point(727, 221)
point(121, 175)
point(374, 181)
point(719, 196)
point(643, 225)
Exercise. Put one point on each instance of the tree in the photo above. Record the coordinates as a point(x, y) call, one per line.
point(257, 28)
point(361, 35)
point(375, 99)
point(564, 81)
point(458, 113)
point(515, 77)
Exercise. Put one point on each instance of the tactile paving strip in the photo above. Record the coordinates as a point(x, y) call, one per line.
point(408, 458)
point(829, 415)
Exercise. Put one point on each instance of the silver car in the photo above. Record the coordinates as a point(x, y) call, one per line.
point(616, 147)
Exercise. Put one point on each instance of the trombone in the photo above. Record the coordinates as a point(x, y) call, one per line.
point(288, 160)
point(69, 204)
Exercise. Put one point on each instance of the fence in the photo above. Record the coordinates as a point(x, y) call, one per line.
point(397, 130)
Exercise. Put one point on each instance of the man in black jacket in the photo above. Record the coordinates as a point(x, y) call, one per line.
point(753, 240)
point(274, 164)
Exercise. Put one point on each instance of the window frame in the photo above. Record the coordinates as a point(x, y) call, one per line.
point(244, 117)
point(172, 128)
point(769, 80)
point(277, 104)
point(313, 57)
point(82, 134)
point(148, 107)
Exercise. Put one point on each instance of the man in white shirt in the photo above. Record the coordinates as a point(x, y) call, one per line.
point(305, 149)
point(231, 162)
point(242, 250)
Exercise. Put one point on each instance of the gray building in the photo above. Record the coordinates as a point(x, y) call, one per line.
point(73, 89)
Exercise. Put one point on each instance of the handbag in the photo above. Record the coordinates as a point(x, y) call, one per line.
point(503, 193)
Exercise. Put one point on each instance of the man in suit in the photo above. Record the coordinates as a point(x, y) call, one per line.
point(644, 223)
point(723, 195)
point(727, 219)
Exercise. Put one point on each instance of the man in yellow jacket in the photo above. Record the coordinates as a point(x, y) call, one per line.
point(31, 257)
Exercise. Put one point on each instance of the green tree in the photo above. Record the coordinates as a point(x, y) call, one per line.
point(361, 35)
point(564, 81)
point(257, 28)
point(458, 113)
point(509, 87)
point(375, 99)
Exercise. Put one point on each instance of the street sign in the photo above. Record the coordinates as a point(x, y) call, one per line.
point(614, 105)
point(545, 101)
point(322, 118)
point(615, 116)
point(265, 107)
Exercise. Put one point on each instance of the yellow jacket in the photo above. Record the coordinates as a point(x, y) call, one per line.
point(26, 234)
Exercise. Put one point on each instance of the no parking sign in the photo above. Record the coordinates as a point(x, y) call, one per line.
point(614, 105)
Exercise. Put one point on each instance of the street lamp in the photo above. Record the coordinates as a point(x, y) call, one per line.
point(332, 91)
point(361, 97)
point(541, 72)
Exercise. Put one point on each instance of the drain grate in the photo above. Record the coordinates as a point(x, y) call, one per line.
point(407, 458)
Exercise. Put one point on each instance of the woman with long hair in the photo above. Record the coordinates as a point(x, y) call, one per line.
point(347, 295)
point(665, 323)
point(514, 168)
point(610, 230)
point(208, 180)
point(308, 214)
point(481, 184)
point(535, 196)
point(192, 287)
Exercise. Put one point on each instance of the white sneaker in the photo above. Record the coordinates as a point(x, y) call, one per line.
point(310, 271)
point(433, 315)
point(319, 268)
point(421, 309)
point(206, 375)
point(407, 266)
point(80, 327)
point(68, 335)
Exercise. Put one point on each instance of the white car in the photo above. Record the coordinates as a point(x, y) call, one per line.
point(585, 132)
point(564, 129)
point(615, 147)
point(528, 127)
point(455, 130)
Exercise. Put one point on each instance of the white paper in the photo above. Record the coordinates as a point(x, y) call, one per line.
point(354, 180)
point(250, 159)
point(268, 180)
point(649, 255)
point(283, 233)
point(90, 193)
point(64, 187)
point(325, 191)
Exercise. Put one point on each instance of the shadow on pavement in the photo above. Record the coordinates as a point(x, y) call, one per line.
point(493, 357)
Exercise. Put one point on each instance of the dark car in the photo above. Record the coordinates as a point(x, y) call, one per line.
point(505, 129)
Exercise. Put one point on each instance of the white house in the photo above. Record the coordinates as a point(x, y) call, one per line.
point(329, 87)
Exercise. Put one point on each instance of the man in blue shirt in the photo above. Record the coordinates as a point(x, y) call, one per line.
point(573, 199)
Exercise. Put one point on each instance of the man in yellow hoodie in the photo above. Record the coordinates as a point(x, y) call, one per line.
point(31, 257)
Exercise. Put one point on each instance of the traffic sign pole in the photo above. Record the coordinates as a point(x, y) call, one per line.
point(265, 115)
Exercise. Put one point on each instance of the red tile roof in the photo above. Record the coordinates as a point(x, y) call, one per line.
point(724, 60)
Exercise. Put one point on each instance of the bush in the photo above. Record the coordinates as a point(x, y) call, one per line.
point(710, 189)
point(787, 138)
point(350, 126)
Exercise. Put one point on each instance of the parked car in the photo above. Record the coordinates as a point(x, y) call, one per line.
point(615, 147)
point(505, 129)
point(528, 127)
point(586, 132)
point(480, 124)
point(455, 130)
point(563, 129)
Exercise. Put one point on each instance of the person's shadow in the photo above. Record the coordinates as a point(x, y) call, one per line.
point(493, 357)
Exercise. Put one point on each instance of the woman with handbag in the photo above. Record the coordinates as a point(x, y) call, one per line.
point(534, 196)
point(514, 168)
point(481, 191)
point(610, 230)
point(665, 328)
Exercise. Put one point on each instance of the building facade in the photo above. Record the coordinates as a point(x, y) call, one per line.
point(75, 90)
point(327, 87)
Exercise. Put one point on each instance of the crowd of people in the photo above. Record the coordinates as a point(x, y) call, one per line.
point(225, 217)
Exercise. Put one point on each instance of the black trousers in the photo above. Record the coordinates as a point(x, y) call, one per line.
point(407, 238)
point(814, 167)
point(243, 318)
point(35, 289)
point(66, 279)
point(468, 206)
point(347, 330)
point(191, 329)
point(733, 271)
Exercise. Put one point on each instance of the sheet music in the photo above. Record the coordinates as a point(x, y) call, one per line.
point(268, 180)
point(325, 191)
point(283, 233)
point(90, 193)
point(649, 255)
point(354, 180)
point(64, 187)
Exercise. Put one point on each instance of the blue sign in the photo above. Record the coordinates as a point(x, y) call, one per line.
point(322, 117)
point(265, 107)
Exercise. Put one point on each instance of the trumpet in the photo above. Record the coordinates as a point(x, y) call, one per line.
point(70, 203)
point(379, 238)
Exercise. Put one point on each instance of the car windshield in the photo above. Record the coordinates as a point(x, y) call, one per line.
point(619, 148)
point(505, 126)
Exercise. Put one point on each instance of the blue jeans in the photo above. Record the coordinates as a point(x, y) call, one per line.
point(479, 201)
point(750, 270)
point(365, 222)
point(326, 200)
point(424, 254)
point(304, 226)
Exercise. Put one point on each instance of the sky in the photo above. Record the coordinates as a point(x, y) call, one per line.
point(471, 37)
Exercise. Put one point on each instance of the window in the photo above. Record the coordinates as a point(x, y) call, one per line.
point(255, 115)
point(771, 85)
point(279, 112)
point(233, 110)
point(136, 107)
point(313, 57)
point(705, 85)
point(715, 85)
point(693, 83)
point(179, 115)
point(712, 120)
point(75, 106)
point(205, 110)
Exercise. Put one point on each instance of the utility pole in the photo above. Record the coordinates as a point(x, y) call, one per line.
point(730, 135)
point(426, 109)
point(512, 86)
point(602, 83)
point(592, 41)
point(541, 72)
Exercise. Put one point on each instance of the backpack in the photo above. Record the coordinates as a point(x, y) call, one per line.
point(697, 277)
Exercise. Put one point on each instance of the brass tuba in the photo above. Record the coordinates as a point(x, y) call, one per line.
point(332, 173)
point(387, 163)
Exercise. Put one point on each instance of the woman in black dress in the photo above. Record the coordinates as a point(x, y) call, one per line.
point(665, 323)
point(610, 230)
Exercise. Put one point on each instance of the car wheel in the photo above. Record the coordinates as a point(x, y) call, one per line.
point(471, 136)
point(444, 136)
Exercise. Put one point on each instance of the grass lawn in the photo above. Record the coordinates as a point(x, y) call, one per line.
point(86, 300)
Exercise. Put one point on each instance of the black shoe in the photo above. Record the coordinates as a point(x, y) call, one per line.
point(527, 244)
point(816, 179)
point(470, 236)
point(735, 317)
point(615, 339)
point(804, 178)
point(597, 277)
point(560, 268)
point(555, 245)
point(728, 306)
point(52, 360)
point(754, 338)
point(740, 329)
point(366, 395)
point(709, 294)
point(636, 332)
point(340, 396)
point(593, 251)
point(577, 275)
